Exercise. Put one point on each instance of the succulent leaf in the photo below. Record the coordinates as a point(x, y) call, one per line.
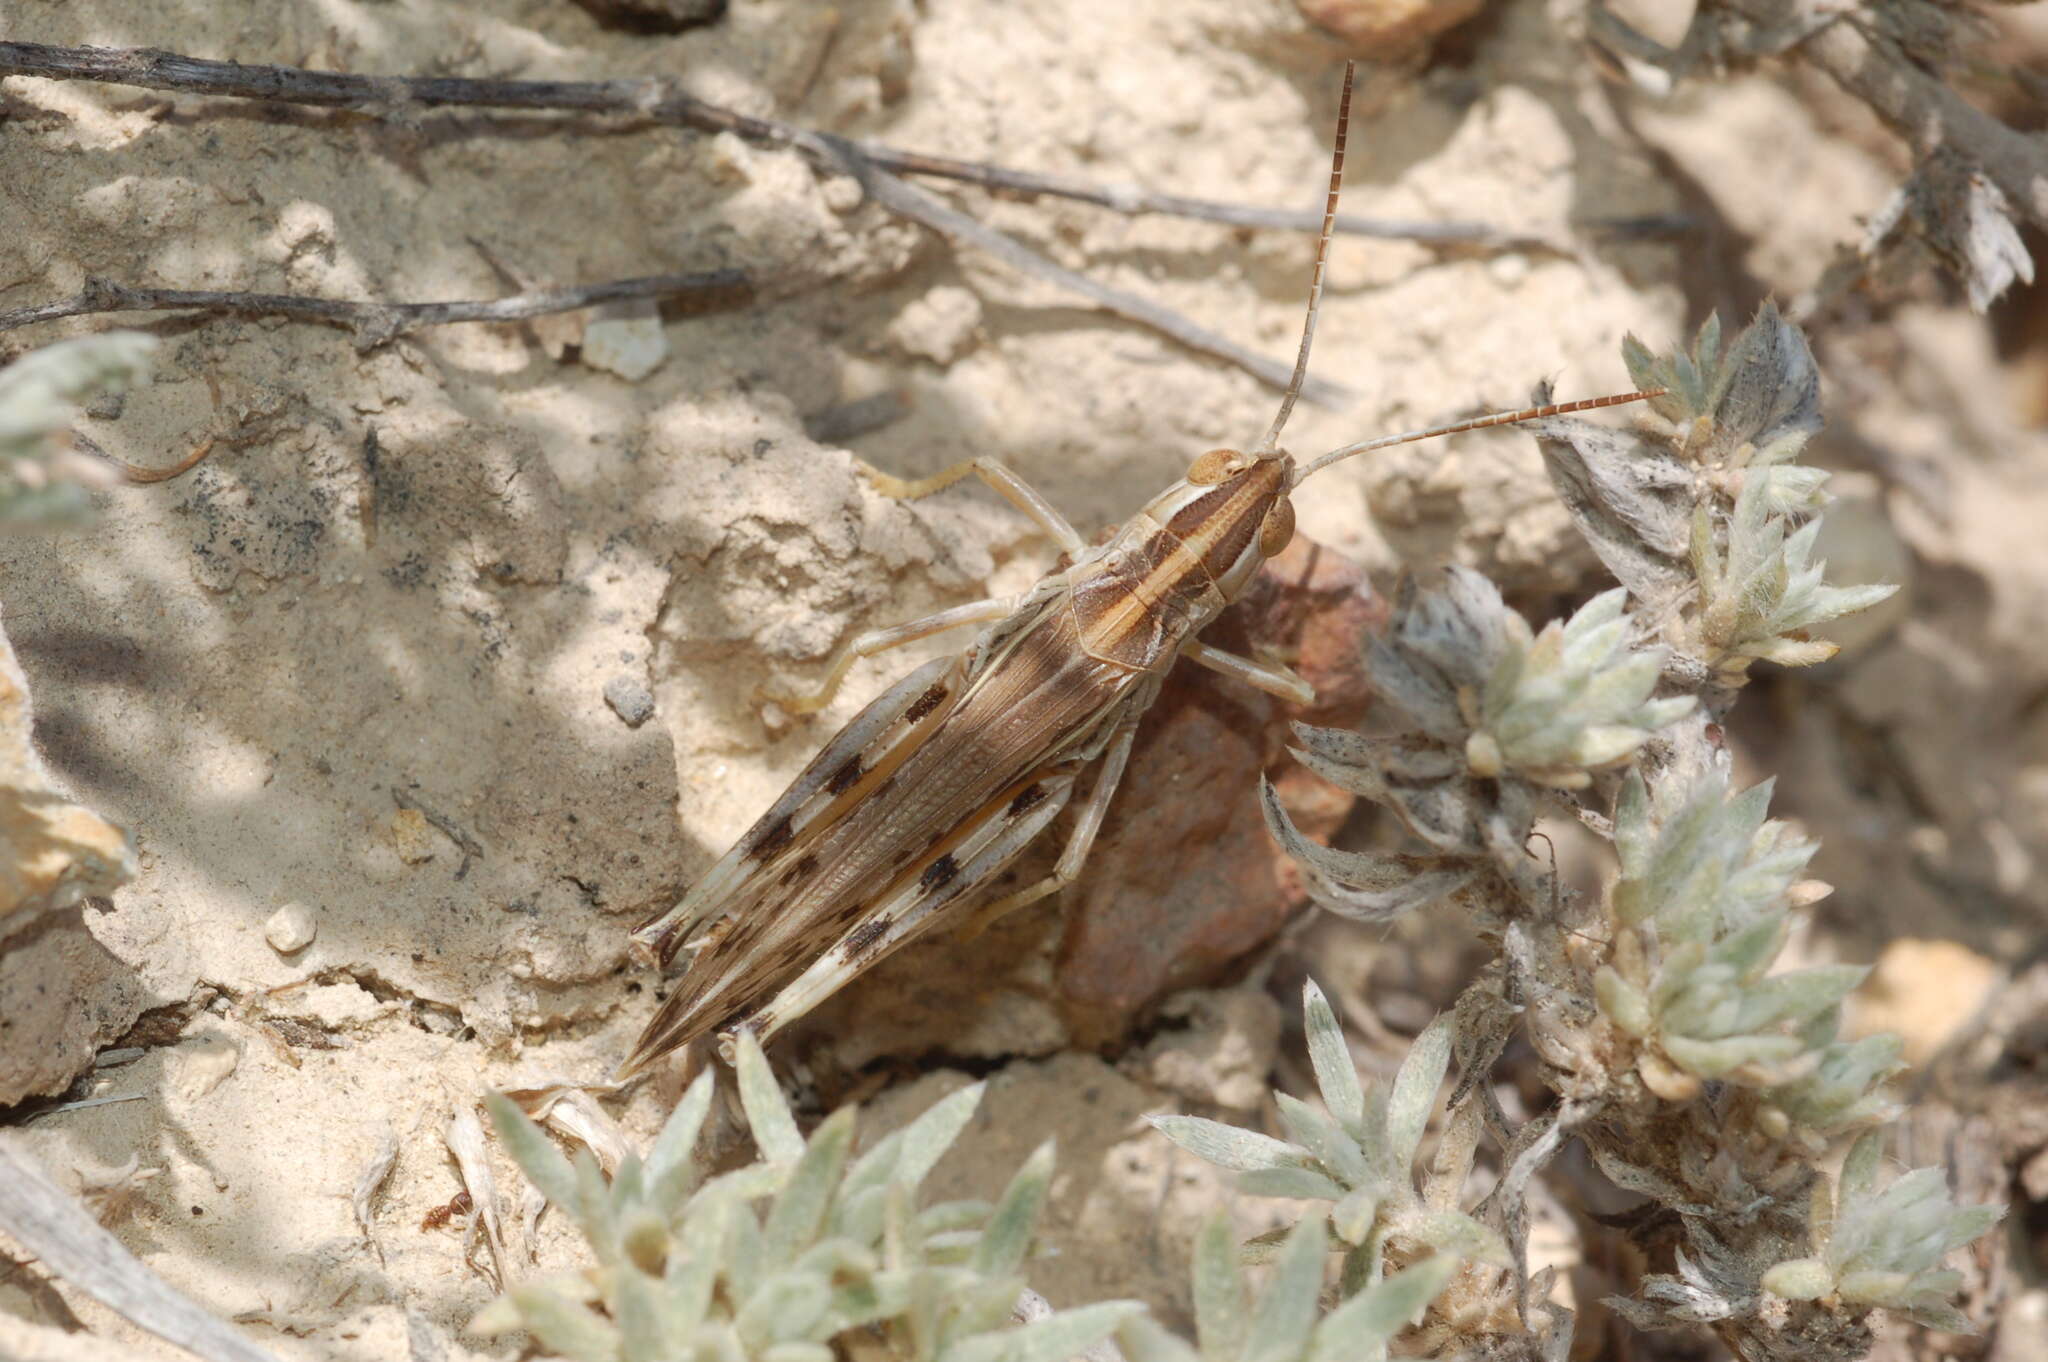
point(1883, 1244)
point(1361, 1162)
point(780, 1258)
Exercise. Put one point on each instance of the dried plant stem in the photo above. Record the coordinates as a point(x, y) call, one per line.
point(907, 200)
point(1918, 105)
point(72, 1246)
point(375, 323)
point(658, 100)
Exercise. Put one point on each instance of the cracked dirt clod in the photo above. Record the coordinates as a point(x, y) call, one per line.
point(62, 994)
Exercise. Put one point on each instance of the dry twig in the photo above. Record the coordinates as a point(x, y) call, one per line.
point(1915, 103)
point(51, 1224)
point(875, 165)
point(658, 100)
point(375, 323)
point(907, 200)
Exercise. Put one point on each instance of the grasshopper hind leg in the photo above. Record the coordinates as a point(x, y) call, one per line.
point(1080, 841)
point(881, 640)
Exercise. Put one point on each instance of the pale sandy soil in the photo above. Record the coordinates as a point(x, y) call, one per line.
point(391, 601)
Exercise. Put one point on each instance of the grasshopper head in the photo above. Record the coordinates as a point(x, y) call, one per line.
point(1232, 510)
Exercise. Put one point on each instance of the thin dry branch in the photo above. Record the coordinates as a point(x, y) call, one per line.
point(907, 200)
point(375, 323)
point(1925, 110)
point(659, 100)
point(71, 1245)
point(1917, 104)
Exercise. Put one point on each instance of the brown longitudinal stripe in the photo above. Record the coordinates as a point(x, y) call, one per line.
point(1219, 527)
point(1196, 513)
point(1221, 535)
point(1135, 614)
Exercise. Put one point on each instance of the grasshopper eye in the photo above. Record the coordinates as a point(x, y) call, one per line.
point(1215, 466)
point(1276, 531)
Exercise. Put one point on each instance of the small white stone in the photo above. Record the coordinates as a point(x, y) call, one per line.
point(1509, 269)
point(728, 158)
point(942, 326)
point(842, 193)
point(291, 928)
point(631, 347)
point(199, 1065)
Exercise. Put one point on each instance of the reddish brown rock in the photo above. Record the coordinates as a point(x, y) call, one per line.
point(1388, 27)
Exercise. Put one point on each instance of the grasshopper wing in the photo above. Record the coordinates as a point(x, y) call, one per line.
point(734, 995)
point(891, 726)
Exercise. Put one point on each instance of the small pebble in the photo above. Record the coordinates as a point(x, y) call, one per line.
point(1509, 269)
point(942, 326)
point(629, 699)
point(290, 928)
point(413, 836)
point(631, 347)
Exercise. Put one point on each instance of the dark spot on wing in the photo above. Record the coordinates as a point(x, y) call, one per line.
point(775, 839)
point(939, 873)
point(1028, 798)
point(842, 779)
point(804, 866)
point(860, 938)
point(884, 787)
point(926, 703)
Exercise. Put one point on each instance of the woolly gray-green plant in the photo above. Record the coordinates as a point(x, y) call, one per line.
point(775, 1260)
point(43, 483)
point(1699, 1075)
point(1357, 1151)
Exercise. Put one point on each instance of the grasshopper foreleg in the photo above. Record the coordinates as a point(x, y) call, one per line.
point(1274, 680)
point(1012, 488)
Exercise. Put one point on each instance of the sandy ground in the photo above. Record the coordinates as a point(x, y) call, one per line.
point(358, 660)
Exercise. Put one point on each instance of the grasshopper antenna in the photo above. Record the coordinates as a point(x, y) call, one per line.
point(1315, 288)
point(1502, 418)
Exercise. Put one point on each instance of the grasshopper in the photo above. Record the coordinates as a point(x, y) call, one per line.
point(945, 778)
